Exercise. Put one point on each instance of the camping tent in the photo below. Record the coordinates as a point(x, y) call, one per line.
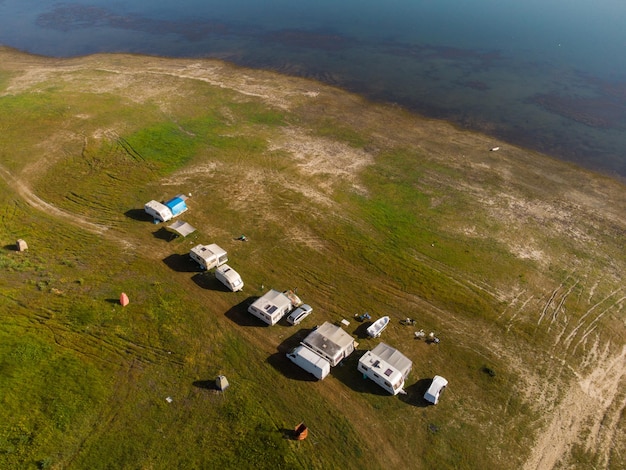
point(181, 228)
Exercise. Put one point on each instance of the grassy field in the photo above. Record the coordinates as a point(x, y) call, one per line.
point(514, 260)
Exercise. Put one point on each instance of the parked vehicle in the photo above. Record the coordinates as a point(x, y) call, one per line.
point(208, 256)
point(436, 389)
point(310, 361)
point(229, 277)
point(162, 212)
point(271, 307)
point(299, 314)
point(387, 367)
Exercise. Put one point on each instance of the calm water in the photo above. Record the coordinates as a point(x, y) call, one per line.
point(546, 74)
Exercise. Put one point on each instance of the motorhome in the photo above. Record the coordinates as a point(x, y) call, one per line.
point(271, 307)
point(208, 256)
point(387, 367)
point(229, 277)
point(310, 361)
point(162, 212)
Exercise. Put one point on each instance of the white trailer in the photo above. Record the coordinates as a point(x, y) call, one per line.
point(229, 277)
point(271, 307)
point(387, 367)
point(310, 361)
point(158, 211)
point(162, 212)
point(208, 256)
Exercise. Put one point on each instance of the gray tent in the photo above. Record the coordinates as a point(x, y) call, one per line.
point(181, 228)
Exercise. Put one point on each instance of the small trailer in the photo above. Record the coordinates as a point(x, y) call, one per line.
point(229, 277)
point(387, 367)
point(162, 212)
point(271, 307)
point(208, 256)
point(310, 361)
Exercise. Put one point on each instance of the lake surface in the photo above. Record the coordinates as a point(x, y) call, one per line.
point(549, 75)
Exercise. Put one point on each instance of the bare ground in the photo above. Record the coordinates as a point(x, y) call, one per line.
point(586, 410)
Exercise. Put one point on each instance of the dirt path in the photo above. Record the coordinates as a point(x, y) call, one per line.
point(588, 415)
point(36, 202)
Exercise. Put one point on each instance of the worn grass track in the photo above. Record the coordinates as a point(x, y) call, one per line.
point(515, 260)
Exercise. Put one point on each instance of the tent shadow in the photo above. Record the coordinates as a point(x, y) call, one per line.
point(114, 301)
point(415, 393)
point(181, 263)
point(11, 247)
point(205, 384)
point(289, 433)
point(139, 215)
point(239, 314)
point(164, 234)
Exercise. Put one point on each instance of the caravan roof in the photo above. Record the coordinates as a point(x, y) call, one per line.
point(330, 341)
point(272, 301)
point(392, 357)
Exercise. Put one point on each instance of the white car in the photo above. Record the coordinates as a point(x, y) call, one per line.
point(299, 314)
point(436, 389)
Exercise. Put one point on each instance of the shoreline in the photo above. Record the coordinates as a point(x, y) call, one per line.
point(615, 176)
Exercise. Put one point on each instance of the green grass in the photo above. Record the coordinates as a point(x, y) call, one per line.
point(84, 381)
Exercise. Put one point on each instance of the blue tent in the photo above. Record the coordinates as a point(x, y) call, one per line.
point(177, 205)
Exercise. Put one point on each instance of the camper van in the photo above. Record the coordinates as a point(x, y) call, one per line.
point(271, 307)
point(229, 277)
point(387, 367)
point(208, 256)
point(310, 361)
point(162, 212)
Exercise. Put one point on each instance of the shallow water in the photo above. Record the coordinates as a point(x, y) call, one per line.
point(549, 75)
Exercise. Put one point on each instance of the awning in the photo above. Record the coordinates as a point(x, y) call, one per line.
point(181, 228)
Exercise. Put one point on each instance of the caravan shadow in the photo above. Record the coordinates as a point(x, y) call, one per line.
point(291, 371)
point(240, 315)
point(207, 280)
point(346, 371)
point(415, 393)
point(283, 365)
point(138, 214)
point(181, 263)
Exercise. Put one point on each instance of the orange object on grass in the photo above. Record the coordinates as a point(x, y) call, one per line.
point(124, 300)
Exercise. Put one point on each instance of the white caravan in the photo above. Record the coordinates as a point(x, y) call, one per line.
point(158, 211)
point(387, 367)
point(229, 277)
point(310, 361)
point(271, 307)
point(208, 256)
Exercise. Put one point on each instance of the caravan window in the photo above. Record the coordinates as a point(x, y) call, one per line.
point(388, 372)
